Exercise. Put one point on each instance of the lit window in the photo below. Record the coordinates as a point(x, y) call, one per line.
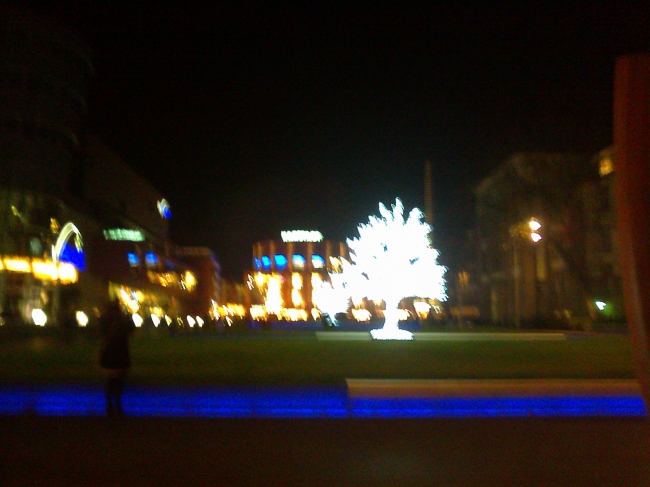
point(266, 262)
point(298, 261)
point(606, 166)
point(151, 258)
point(317, 261)
point(133, 258)
point(280, 261)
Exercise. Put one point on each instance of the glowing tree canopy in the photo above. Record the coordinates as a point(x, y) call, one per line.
point(390, 260)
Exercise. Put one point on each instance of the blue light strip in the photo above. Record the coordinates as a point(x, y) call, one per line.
point(308, 402)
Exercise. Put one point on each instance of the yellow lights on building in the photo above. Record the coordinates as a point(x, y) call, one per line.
point(274, 300)
point(335, 263)
point(293, 314)
point(45, 270)
point(190, 281)
point(258, 312)
point(605, 166)
point(171, 279)
point(361, 314)
point(129, 300)
point(17, 265)
point(231, 309)
point(296, 293)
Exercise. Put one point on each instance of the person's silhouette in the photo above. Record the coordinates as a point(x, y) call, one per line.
point(115, 359)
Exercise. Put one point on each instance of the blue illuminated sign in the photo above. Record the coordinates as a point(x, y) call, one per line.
point(280, 261)
point(266, 262)
point(164, 209)
point(74, 256)
point(151, 258)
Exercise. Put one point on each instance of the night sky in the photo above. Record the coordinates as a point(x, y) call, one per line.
point(252, 120)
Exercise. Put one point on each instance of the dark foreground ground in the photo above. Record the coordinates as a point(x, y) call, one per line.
point(329, 452)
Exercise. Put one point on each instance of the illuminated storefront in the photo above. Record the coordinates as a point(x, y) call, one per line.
point(289, 273)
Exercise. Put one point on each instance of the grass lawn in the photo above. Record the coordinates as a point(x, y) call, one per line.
point(300, 359)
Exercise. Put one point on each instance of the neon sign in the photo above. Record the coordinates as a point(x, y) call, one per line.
point(123, 234)
point(301, 236)
point(164, 209)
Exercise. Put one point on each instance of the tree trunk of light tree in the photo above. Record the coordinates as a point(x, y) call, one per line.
point(632, 196)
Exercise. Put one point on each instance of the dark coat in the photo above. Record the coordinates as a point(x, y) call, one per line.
point(115, 328)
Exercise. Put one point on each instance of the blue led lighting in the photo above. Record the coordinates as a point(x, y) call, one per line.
point(258, 264)
point(266, 261)
point(280, 261)
point(133, 258)
point(151, 258)
point(317, 261)
point(71, 255)
point(306, 402)
point(298, 261)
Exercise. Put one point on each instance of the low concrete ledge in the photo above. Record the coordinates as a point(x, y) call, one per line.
point(424, 388)
point(469, 336)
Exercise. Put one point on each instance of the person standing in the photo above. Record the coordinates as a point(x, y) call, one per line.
point(115, 328)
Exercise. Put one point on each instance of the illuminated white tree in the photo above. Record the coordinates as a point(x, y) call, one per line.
point(390, 260)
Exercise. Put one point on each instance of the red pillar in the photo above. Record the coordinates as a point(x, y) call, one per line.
point(632, 196)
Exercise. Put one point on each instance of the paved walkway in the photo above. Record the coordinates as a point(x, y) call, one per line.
point(143, 452)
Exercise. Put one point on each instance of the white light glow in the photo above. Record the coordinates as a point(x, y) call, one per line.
point(534, 225)
point(155, 320)
point(601, 305)
point(390, 260)
point(190, 321)
point(82, 318)
point(137, 320)
point(39, 317)
point(422, 308)
point(301, 236)
point(200, 321)
point(391, 334)
point(168, 320)
point(535, 237)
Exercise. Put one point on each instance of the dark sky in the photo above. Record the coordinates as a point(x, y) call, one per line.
point(253, 120)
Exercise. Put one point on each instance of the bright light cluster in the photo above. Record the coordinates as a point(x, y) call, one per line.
point(45, 270)
point(391, 259)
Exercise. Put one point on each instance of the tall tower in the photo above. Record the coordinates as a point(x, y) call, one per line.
point(428, 198)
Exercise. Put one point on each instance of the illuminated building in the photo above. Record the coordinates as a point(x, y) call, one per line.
point(559, 276)
point(288, 274)
point(77, 225)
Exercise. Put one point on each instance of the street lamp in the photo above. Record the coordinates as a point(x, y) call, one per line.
point(534, 226)
point(529, 229)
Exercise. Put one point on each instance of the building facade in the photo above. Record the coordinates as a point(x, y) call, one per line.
point(546, 241)
point(78, 227)
point(288, 274)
